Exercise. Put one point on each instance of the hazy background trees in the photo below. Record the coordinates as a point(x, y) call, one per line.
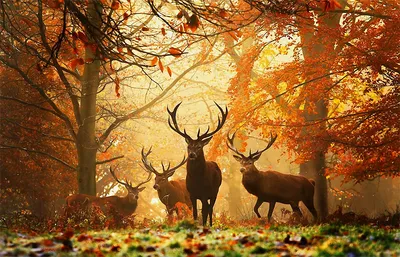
point(85, 86)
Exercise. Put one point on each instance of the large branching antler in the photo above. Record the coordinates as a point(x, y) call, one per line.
point(170, 171)
point(148, 165)
point(126, 183)
point(258, 153)
point(251, 155)
point(147, 180)
point(221, 122)
point(175, 126)
point(205, 135)
point(231, 146)
point(167, 170)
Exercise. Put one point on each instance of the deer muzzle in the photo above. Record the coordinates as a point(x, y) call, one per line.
point(156, 187)
point(242, 169)
point(192, 156)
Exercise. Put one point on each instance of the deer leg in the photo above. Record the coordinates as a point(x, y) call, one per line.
point(204, 210)
point(170, 212)
point(296, 208)
point(212, 202)
point(311, 208)
point(271, 209)
point(257, 206)
point(194, 205)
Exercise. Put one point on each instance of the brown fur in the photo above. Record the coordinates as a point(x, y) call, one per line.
point(203, 178)
point(111, 205)
point(124, 206)
point(273, 186)
point(173, 192)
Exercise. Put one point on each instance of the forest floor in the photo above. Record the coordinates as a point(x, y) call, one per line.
point(186, 239)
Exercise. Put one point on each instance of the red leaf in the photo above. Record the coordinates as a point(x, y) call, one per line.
point(117, 87)
point(68, 234)
point(55, 4)
point(163, 31)
point(145, 29)
point(47, 242)
point(154, 61)
point(76, 62)
point(223, 13)
point(74, 36)
point(175, 52)
point(126, 16)
point(84, 237)
point(169, 71)
point(160, 65)
point(82, 37)
point(115, 5)
point(193, 22)
point(120, 50)
point(331, 5)
point(75, 50)
point(39, 67)
point(27, 22)
point(180, 15)
point(233, 35)
point(89, 60)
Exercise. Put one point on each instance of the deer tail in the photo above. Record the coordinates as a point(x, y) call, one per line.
point(312, 181)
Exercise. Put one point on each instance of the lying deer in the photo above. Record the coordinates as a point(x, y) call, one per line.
point(169, 192)
point(203, 178)
point(273, 186)
point(111, 205)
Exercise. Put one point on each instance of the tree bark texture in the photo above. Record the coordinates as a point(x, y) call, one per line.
point(316, 44)
point(86, 139)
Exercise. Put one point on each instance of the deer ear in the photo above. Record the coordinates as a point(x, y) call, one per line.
point(206, 141)
point(140, 189)
point(237, 158)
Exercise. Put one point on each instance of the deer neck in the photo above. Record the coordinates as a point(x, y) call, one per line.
point(197, 165)
point(165, 189)
point(252, 171)
point(127, 205)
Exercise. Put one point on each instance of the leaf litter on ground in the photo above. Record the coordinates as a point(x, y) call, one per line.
point(187, 239)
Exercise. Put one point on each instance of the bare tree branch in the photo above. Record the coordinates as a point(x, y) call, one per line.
point(4, 147)
point(110, 160)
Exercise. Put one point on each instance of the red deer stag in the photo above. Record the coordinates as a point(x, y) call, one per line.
point(111, 205)
point(272, 186)
point(169, 192)
point(203, 178)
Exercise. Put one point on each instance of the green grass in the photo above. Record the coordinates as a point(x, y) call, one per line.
point(186, 239)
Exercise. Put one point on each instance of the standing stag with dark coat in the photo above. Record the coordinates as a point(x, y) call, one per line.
point(169, 192)
point(203, 178)
point(272, 186)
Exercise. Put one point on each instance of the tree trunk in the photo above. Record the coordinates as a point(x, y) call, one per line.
point(86, 139)
point(316, 44)
point(234, 184)
point(315, 168)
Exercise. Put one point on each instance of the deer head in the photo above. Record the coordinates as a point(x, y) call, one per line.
point(133, 191)
point(161, 177)
point(247, 162)
point(195, 146)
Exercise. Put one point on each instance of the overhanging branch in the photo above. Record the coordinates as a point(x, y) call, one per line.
point(4, 147)
point(110, 160)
